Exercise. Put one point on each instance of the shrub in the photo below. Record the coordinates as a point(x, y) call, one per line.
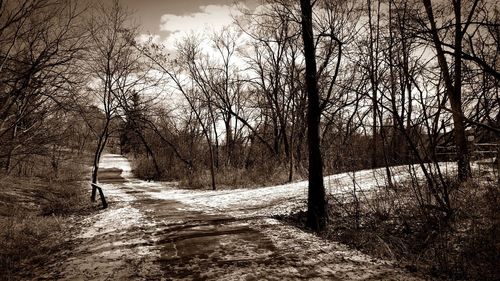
point(268, 173)
point(143, 168)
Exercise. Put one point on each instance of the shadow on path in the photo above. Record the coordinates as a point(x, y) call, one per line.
point(141, 237)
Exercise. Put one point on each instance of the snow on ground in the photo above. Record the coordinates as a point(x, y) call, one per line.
point(281, 199)
point(335, 259)
point(116, 161)
point(113, 241)
point(155, 229)
point(118, 218)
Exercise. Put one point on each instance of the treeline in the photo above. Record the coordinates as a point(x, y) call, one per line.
point(63, 68)
point(396, 79)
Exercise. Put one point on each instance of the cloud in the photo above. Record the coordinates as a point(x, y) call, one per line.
point(148, 38)
point(210, 18)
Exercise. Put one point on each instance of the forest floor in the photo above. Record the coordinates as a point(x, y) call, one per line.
point(159, 231)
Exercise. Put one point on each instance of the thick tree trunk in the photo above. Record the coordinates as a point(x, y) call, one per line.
point(95, 169)
point(374, 84)
point(316, 205)
point(453, 91)
point(464, 171)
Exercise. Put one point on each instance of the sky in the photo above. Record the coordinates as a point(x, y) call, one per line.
point(168, 20)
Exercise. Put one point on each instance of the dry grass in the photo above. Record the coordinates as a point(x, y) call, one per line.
point(225, 177)
point(34, 215)
point(26, 241)
point(230, 178)
point(390, 224)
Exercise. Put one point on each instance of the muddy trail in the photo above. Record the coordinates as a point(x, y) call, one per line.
point(146, 235)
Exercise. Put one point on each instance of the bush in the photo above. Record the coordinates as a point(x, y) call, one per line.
point(65, 198)
point(143, 168)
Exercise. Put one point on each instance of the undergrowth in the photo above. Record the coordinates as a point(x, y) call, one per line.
point(266, 174)
point(230, 178)
point(389, 224)
point(35, 215)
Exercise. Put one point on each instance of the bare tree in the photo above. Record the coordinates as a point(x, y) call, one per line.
point(110, 63)
point(190, 91)
point(454, 84)
point(40, 46)
point(316, 205)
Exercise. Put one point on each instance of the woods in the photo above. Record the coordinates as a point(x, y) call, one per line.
point(379, 93)
point(290, 90)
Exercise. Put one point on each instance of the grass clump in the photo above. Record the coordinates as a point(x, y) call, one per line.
point(35, 215)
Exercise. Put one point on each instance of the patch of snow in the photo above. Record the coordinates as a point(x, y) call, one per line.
point(113, 220)
point(115, 193)
point(280, 199)
point(109, 161)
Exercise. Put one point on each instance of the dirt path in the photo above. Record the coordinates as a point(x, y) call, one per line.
point(144, 235)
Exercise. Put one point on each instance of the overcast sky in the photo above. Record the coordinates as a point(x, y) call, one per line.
point(169, 19)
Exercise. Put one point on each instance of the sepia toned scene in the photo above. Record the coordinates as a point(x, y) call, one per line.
point(249, 140)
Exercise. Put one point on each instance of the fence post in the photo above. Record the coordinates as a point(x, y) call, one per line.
point(92, 196)
point(101, 194)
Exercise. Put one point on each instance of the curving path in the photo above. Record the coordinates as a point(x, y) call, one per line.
point(157, 231)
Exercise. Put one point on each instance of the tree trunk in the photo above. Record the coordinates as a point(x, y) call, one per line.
point(11, 149)
point(229, 141)
point(453, 91)
point(374, 82)
point(211, 154)
point(101, 143)
point(212, 168)
point(290, 159)
point(316, 205)
point(464, 171)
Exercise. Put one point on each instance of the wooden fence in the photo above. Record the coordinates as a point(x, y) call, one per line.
point(477, 151)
